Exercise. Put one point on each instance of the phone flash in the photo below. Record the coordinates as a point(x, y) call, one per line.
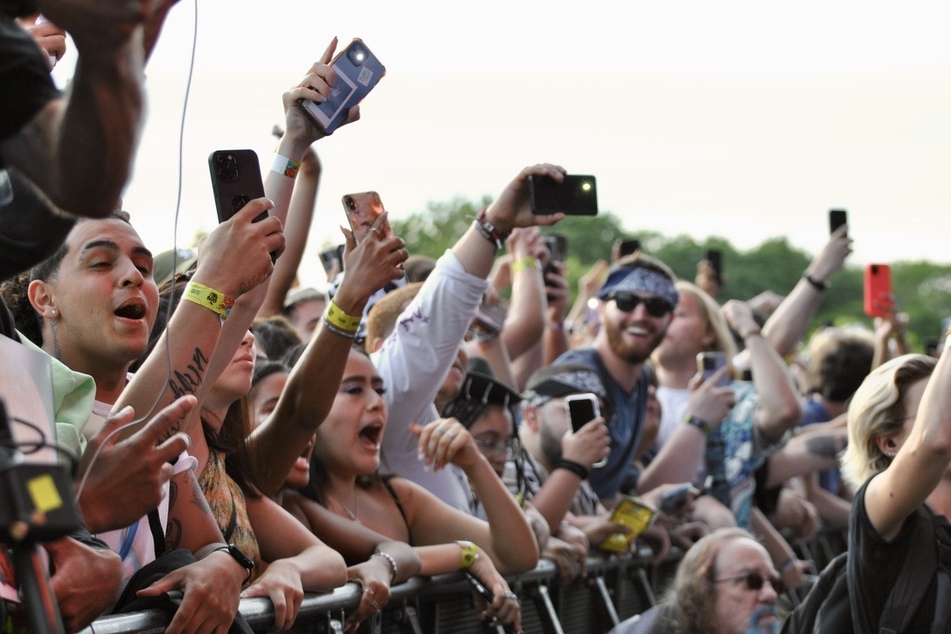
point(586, 186)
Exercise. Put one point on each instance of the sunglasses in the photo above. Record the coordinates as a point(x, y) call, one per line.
point(655, 306)
point(755, 581)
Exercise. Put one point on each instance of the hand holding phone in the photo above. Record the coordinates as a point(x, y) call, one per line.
point(235, 181)
point(576, 195)
point(357, 71)
point(877, 286)
point(582, 409)
point(710, 362)
point(837, 218)
point(362, 211)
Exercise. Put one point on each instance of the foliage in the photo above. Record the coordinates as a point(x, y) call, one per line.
point(923, 289)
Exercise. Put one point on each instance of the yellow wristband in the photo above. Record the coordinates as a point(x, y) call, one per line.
point(469, 554)
point(336, 317)
point(286, 166)
point(209, 298)
point(524, 263)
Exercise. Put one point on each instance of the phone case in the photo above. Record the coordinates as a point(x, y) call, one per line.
point(358, 70)
point(235, 181)
point(633, 513)
point(576, 195)
point(362, 211)
point(710, 362)
point(878, 290)
point(837, 218)
point(582, 409)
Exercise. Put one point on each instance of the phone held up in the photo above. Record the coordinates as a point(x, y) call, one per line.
point(715, 258)
point(362, 211)
point(235, 181)
point(710, 362)
point(624, 247)
point(357, 70)
point(837, 218)
point(878, 301)
point(582, 409)
point(576, 195)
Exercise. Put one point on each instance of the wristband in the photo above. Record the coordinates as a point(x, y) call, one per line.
point(390, 559)
point(209, 298)
point(338, 331)
point(285, 166)
point(469, 554)
point(334, 315)
point(524, 263)
point(572, 466)
point(788, 565)
point(699, 423)
point(816, 284)
point(489, 231)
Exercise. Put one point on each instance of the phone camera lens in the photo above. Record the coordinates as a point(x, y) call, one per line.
point(227, 168)
point(357, 55)
point(352, 206)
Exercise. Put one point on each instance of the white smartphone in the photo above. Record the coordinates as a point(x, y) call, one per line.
point(582, 409)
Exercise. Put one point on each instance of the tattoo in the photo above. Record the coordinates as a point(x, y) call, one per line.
point(189, 380)
point(825, 446)
point(57, 353)
point(173, 531)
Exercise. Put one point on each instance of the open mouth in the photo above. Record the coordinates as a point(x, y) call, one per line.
point(133, 310)
point(371, 434)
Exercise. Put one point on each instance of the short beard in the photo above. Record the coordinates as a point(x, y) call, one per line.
point(631, 354)
point(550, 446)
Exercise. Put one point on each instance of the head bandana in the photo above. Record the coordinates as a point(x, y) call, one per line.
point(639, 280)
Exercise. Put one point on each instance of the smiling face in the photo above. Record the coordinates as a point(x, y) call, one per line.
point(632, 335)
point(348, 441)
point(101, 303)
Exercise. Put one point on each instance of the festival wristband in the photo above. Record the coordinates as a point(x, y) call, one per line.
point(335, 316)
point(469, 554)
point(285, 166)
point(528, 262)
point(209, 298)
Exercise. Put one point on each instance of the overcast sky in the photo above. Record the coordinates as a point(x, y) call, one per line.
point(746, 120)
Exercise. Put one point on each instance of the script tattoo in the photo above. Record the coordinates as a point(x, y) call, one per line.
point(188, 381)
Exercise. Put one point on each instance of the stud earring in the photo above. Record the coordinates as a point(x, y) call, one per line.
point(52, 312)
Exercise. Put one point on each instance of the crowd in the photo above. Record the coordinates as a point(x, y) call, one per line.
point(239, 436)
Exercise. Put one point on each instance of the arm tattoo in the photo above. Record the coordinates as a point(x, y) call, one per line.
point(188, 380)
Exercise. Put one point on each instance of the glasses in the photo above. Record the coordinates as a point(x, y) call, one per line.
point(501, 447)
point(755, 581)
point(655, 306)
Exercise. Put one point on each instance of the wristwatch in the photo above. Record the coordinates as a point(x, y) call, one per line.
point(243, 560)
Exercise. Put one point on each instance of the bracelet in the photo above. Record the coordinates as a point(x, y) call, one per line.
point(469, 554)
point(816, 284)
point(524, 263)
point(389, 558)
point(335, 315)
point(209, 298)
point(285, 166)
point(699, 423)
point(338, 331)
point(572, 466)
point(788, 565)
point(489, 231)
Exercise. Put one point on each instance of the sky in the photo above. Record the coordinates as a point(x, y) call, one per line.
point(739, 119)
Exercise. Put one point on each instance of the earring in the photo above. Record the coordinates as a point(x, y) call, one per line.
point(891, 454)
point(52, 312)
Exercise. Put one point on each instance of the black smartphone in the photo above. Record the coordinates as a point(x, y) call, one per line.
point(715, 258)
point(557, 245)
point(358, 70)
point(576, 195)
point(479, 587)
point(582, 409)
point(837, 218)
point(673, 499)
point(710, 362)
point(626, 247)
point(235, 181)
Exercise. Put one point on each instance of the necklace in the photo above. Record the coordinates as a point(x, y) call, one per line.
point(356, 503)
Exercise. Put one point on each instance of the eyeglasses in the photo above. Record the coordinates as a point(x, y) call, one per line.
point(501, 447)
point(655, 306)
point(755, 581)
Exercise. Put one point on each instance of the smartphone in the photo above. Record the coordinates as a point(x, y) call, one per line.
point(362, 211)
point(235, 181)
point(837, 218)
point(331, 256)
point(624, 247)
point(479, 587)
point(674, 499)
point(358, 70)
point(715, 258)
point(488, 321)
point(878, 290)
point(633, 513)
point(582, 409)
point(576, 195)
point(710, 362)
point(557, 245)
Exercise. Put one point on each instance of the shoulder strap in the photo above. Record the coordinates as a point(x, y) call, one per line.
point(917, 572)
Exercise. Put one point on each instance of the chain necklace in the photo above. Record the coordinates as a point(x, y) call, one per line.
point(356, 503)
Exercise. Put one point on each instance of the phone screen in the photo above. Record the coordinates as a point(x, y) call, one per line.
point(710, 362)
point(362, 211)
point(627, 247)
point(582, 409)
point(715, 258)
point(576, 195)
point(837, 218)
point(235, 181)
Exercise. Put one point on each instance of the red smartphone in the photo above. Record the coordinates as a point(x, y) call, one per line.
point(362, 211)
point(878, 290)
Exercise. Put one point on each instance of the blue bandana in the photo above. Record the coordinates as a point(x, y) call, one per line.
point(639, 280)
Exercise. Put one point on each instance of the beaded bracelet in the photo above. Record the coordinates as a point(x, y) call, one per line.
point(211, 299)
point(390, 559)
point(469, 554)
point(489, 231)
point(335, 315)
point(285, 166)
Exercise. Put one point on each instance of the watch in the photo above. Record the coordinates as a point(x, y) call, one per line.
point(243, 560)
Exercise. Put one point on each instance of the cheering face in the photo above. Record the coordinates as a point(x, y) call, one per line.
point(348, 441)
point(102, 302)
point(632, 334)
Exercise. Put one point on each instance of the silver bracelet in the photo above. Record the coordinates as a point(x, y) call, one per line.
point(389, 558)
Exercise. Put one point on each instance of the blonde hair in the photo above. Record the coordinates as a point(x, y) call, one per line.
point(709, 311)
point(877, 410)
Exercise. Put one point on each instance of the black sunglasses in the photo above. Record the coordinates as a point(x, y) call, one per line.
point(755, 581)
point(655, 306)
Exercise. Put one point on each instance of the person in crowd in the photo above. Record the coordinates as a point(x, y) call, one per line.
point(274, 336)
point(725, 584)
point(637, 301)
point(897, 458)
point(345, 479)
point(422, 358)
point(304, 309)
